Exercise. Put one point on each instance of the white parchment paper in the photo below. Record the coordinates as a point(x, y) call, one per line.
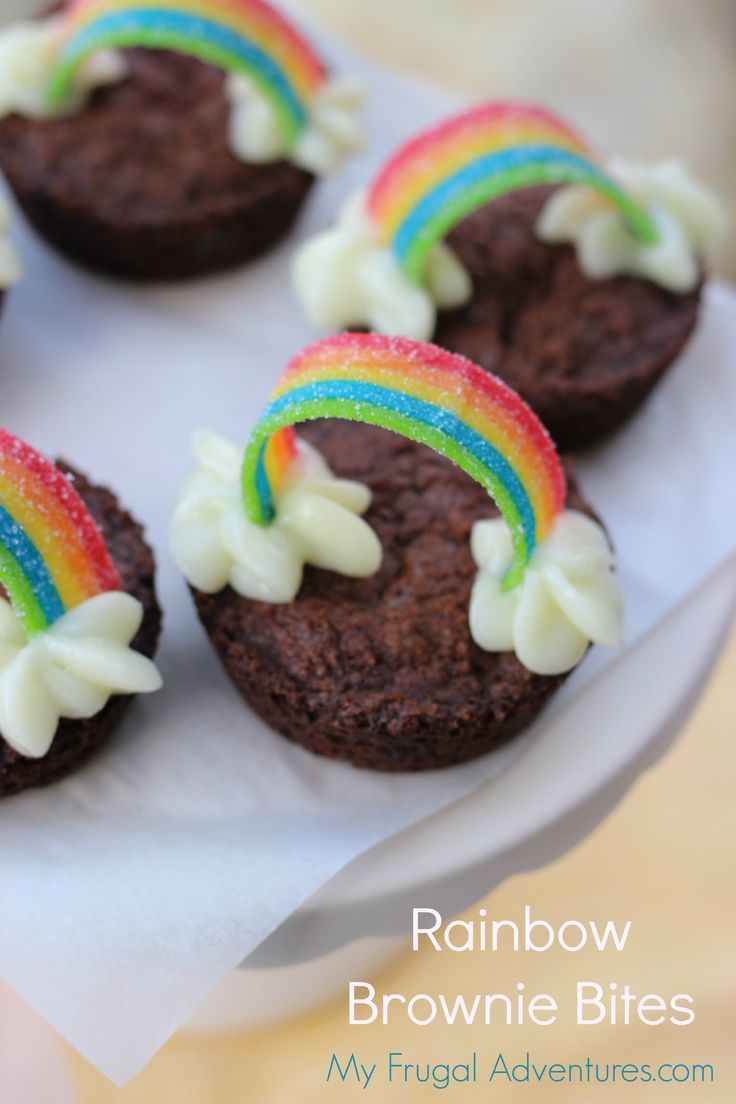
point(128, 891)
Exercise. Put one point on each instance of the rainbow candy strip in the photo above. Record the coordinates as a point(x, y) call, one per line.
point(52, 556)
point(247, 36)
point(447, 172)
point(429, 395)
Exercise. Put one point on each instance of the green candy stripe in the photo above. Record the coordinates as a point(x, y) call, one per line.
point(60, 85)
point(20, 593)
point(310, 410)
point(420, 232)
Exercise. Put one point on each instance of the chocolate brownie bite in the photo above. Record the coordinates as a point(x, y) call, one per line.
point(500, 235)
point(142, 181)
point(362, 590)
point(163, 145)
point(382, 672)
point(75, 740)
point(584, 353)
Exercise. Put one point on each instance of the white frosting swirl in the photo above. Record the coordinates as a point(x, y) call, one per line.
point(317, 522)
point(332, 134)
point(70, 669)
point(567, 599)
point(687, 216)
point(27, 55)
point(347, 276)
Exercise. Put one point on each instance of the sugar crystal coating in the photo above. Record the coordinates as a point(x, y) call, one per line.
point(430, 396)
point(52, 555)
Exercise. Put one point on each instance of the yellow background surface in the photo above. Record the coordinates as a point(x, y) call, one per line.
point(645, 77)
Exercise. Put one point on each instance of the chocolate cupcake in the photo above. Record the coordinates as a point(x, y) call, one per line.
point(584, 353)
point(150, 162)
point(80, 621)
point(577, 285)
point(365, 595)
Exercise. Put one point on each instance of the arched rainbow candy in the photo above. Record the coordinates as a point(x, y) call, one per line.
point(52, 555)
point(247, 36)
point(447, 172)
point(429, 395)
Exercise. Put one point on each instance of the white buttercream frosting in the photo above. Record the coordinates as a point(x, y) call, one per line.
point(687, 216)
point(567, 599)
point(332, 134)
point(347, 276)
point(28, 52)
point(70, 669)
point(317, 522)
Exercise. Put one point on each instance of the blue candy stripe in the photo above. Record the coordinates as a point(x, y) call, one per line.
point(189, 28)
point(420, 411)
point(263, 486)
point(14, 539)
